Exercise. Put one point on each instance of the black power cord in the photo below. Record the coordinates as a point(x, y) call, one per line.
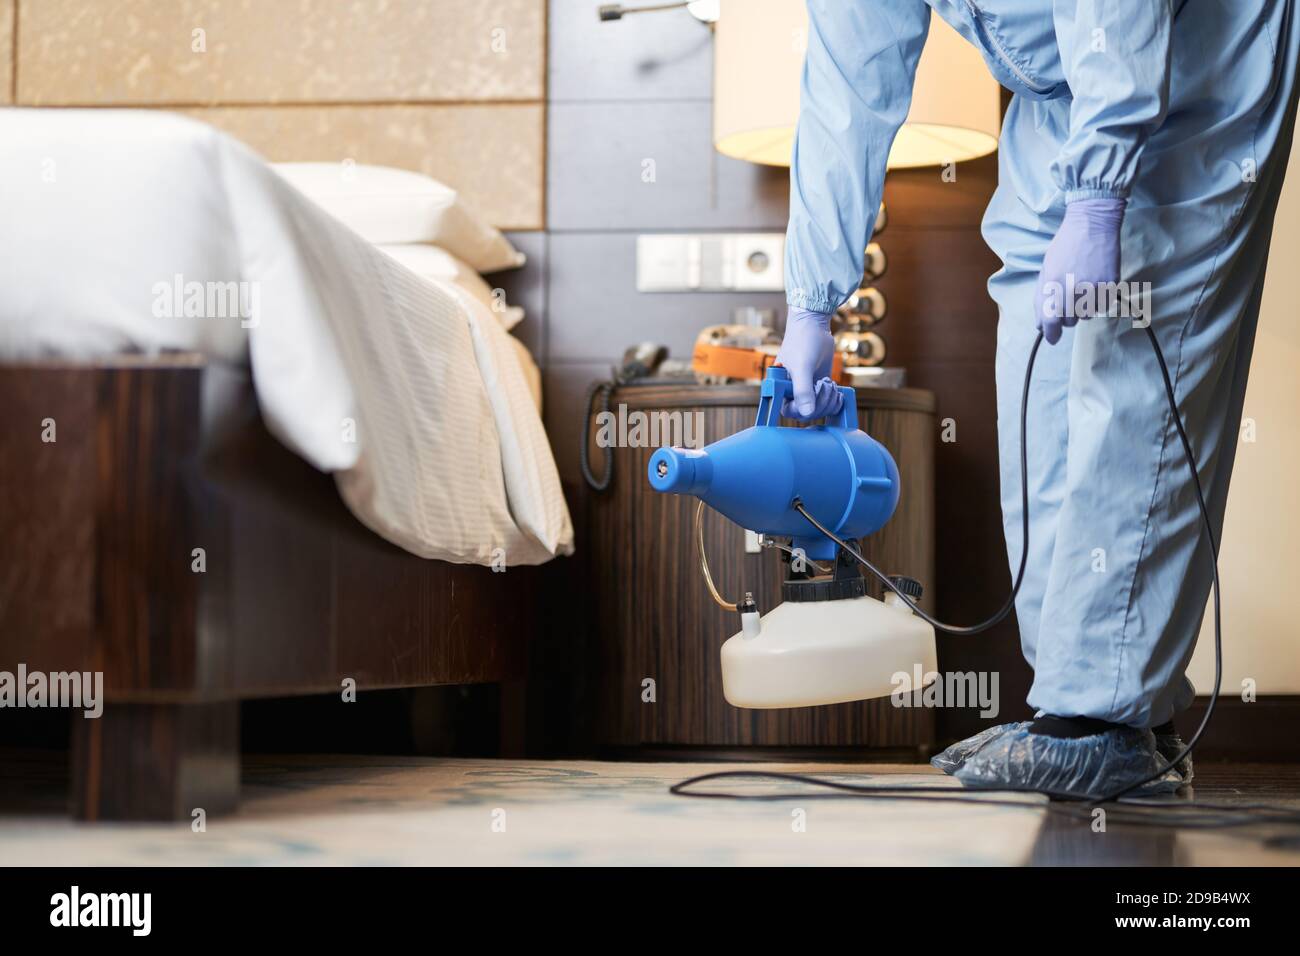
point(1146, 812)
point(1010, 603)
point(604, 390)
point(1171, 815)
point(639, 362)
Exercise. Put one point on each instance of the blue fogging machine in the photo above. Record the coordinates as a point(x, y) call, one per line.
point(827, 641)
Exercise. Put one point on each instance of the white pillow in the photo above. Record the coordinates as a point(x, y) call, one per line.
point(396, 205)
point(430, 262)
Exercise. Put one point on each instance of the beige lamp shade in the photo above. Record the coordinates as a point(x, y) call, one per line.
point(757, 62)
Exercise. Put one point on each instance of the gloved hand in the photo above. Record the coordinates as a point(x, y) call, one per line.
point(806, 353)
point(1084, 254)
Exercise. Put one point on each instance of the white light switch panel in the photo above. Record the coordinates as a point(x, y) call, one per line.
point(710, 262)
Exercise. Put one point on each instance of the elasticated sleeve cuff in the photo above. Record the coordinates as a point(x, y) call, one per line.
point(1095, 192)
point(798, 299)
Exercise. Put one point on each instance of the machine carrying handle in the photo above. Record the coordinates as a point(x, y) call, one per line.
point(777, 387)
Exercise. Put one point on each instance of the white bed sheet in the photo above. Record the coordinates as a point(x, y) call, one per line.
point(409, 391)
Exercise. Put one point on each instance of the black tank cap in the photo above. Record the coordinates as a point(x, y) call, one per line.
point(823, 589)
point(909, 586)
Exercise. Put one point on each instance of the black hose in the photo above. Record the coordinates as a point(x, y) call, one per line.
point(1175, 816)
point(1010, 603)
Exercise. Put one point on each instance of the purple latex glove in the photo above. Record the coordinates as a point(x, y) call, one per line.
point(806, 353)
point(1083, 256)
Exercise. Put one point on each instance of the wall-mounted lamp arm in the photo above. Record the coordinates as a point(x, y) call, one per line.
point(703, 10)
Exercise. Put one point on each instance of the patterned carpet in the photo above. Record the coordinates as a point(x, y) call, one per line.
point(410, 810)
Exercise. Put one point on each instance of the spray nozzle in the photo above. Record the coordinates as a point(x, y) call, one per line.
point(751, 622)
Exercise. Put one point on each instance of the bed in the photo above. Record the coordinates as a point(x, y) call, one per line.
point(336, 482)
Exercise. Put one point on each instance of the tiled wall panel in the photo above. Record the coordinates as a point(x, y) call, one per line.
point(659, 56)
point(598, 312)
point(492, 153)
point(652, 165)
point(621, 94)
point(451, 88)
point(6, 50)
point(143, 52)
point(526, 287)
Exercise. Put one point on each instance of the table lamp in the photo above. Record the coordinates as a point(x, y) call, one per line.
point(955, 115)
point(757, 61)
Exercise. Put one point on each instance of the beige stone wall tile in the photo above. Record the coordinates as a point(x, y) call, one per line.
point(6, 50)
point(493, 154)
point(142, 52)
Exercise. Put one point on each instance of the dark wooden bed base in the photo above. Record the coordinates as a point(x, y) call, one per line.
point(98, 536)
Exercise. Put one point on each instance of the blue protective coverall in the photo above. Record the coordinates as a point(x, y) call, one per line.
point(1186, 108)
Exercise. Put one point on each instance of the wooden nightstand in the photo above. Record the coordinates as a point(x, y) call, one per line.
point(652, 616)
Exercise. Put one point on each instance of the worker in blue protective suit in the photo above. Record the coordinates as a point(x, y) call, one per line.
point(1146, 142)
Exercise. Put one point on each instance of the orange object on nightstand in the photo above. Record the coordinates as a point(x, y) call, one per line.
point(727, 361)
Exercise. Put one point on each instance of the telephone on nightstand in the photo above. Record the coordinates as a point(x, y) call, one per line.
point(646, 361)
